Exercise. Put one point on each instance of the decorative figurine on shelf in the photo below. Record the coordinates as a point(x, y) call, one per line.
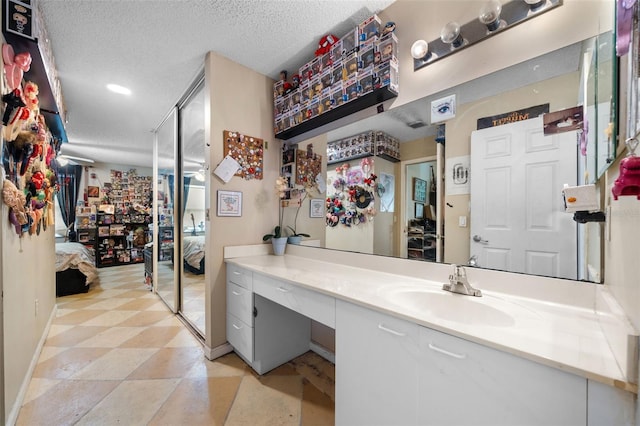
point(388, 28)
point(130, 240)
point(286, 86)
point(324, 46)
point(295, 81)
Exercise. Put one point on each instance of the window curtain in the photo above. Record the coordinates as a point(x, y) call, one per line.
point(69, 182)
point(185, 190)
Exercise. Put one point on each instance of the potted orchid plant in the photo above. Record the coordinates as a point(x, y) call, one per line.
point(295, 237)
point(278, 241)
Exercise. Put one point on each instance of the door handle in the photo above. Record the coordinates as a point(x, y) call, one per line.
point(478, 239)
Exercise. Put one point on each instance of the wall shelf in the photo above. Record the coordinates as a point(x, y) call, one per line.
point(377, 96)
point(38, 74)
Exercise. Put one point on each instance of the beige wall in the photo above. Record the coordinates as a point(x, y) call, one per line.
point(29, 277)
point(420, 148)
point(239, 99)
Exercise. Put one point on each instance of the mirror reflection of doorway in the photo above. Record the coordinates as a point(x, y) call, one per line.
point(518, 222)
point(192, 143)
point(165, 274)
point(179, 267)
point(420, 209)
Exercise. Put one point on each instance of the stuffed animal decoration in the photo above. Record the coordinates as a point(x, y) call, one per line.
point(628, 183)
point(31, 96)
point(324, 46)
point(16, 200)
point(15, 115)
point(15, 66)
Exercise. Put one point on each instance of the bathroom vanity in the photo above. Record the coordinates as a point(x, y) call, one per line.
point(409, 353)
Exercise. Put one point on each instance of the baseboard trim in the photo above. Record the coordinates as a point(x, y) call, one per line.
point(13, 414)
point(217, 352)
point(323, 352)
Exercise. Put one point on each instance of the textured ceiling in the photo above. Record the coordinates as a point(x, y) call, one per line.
point(156, 48)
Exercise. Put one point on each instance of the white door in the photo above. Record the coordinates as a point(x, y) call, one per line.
point(518, 222)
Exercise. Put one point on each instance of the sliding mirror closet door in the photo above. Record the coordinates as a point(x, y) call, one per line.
point(192, 142)
point(166, 273)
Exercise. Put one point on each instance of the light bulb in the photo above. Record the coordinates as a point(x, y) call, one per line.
point(534, 5)
point(490, 15)
point(420, 49)
point(450, 34)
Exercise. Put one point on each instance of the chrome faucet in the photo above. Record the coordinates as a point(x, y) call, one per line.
point(473, 260)
point(458, 283)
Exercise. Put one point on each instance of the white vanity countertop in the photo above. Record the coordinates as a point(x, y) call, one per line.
point(565, 337)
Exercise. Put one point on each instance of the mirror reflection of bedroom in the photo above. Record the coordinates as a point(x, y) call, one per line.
point(106, 211)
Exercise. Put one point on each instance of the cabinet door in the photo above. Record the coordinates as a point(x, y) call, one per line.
point(376, 368)
point(463, 383)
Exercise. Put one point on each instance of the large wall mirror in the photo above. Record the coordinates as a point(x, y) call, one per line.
point(581, 74)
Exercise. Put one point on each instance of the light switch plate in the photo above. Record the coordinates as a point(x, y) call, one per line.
point(462, 221)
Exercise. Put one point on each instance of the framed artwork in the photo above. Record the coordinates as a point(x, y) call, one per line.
point(419, 190)
point(443, 109)
point(229, 203)
point(419, 213)
point(316, 207)
point(93, 191)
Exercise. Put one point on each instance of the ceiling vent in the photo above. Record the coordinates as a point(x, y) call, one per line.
point(417, 124)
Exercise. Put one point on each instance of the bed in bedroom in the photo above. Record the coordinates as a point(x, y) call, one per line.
point(193, 249)
point(75, 269)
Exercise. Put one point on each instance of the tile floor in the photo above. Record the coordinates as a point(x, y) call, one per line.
point(117, 355)
point(193, 293)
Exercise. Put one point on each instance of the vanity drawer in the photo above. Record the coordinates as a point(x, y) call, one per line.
point(240, 302)
point(239, 276)
point(240, 336)
point(317, 306)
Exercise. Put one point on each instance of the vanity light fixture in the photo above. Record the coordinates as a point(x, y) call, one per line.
point(451, 35)
point(116, 88)
point(490, 16)
point(494, 17)
point(536, 5)
point(420, 50)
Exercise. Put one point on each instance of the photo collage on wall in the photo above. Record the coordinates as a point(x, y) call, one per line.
point(128, 191)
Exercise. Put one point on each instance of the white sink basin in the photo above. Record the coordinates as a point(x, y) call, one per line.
point(451, 307)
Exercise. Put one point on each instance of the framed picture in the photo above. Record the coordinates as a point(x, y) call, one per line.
point(419, 190)
point(316, 207)
point(229, 203)
point(443, 109)
point(419, 214)
point(93, 191)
